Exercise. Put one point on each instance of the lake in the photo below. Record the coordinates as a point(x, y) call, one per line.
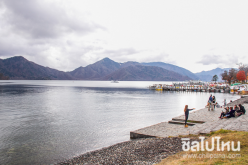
point(45, 122)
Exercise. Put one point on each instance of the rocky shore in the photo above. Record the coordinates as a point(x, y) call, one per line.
point(139, 151)
point(133, 152)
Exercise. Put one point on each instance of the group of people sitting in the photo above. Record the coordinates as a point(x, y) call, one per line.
point(233, 111)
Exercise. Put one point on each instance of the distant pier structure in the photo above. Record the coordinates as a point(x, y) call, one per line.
point(192, 86)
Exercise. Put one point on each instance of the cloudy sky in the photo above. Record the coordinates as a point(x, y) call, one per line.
point(194, 34)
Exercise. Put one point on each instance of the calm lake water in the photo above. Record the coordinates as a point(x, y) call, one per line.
point(45, 122)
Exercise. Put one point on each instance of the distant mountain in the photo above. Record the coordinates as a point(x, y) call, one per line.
point(208, 75)
point(105, 69)
point(19, 68)
point(129, 63)
point(173, 68)
point(145, 73)
point(3, 77)
point(96, 71)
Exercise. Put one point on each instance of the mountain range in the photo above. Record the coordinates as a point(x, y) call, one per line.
point(208, 75)
point(19, 68)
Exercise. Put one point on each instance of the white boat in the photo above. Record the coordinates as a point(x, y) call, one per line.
point(243, 89)
point(114, 81)
point(152, 86)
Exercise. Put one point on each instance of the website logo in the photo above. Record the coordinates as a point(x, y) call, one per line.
point(196, 146)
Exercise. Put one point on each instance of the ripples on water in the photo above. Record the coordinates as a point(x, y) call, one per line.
point(49, 121)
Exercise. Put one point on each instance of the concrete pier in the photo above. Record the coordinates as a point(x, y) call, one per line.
point(192, 89)
point(200, 122)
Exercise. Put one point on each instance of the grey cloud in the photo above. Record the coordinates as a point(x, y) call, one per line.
point(120, 52)
point(30, 28)
point(211, 59)
point(118, 55)
point(159, 57)
point(36, 19)
point(218, 59)
point(11, 47)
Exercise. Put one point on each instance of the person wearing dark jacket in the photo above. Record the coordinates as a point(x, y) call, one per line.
point(210, 103)
point(186, 112)
point(241, 109)
point(231, 113)
point(214, 101)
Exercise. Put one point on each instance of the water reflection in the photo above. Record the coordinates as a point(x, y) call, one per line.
point(46, 124)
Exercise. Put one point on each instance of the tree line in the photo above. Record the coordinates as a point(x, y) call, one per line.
point(234, 75)
point(2, 77)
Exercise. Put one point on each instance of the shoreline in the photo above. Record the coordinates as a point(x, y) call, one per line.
point(136, 151)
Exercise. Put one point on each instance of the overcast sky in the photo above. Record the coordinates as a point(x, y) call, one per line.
point(193, 34)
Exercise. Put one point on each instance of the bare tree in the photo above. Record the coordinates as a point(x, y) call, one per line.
point(224, 75)
point(229, 76)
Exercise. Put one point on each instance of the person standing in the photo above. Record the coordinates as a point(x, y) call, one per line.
point(214, 102)
point(186, 112)
point(224, 102)
point(210, 102)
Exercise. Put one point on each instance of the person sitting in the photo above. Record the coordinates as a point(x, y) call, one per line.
point(224, 113)
point(241, 110)
point(231, 113)
point(236, 108)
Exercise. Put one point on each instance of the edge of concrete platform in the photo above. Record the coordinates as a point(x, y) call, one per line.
point(134, 135)
point(189, 121)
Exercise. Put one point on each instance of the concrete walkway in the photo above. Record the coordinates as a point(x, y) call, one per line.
point(211, 119)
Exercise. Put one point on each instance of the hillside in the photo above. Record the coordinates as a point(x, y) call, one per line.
point(145, 73)
point(96, 71)
point(19, 68)
point(173, 68)
point(208, 75)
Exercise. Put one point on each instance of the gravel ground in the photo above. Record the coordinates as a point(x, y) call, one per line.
point(141, 151)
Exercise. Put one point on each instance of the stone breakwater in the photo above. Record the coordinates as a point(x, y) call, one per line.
point(153, 150)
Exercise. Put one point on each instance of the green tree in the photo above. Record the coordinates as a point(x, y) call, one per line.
point(215, 78)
